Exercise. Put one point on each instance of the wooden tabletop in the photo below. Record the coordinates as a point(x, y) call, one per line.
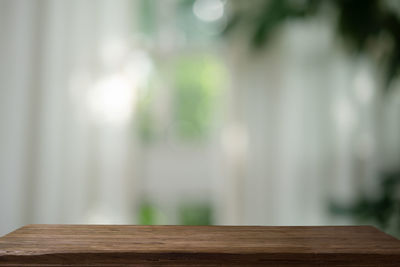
point(124, 245)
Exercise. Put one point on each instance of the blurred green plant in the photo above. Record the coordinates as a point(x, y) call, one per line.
point(199, 81)
point(364, 25)
point(195, 213)
point(382, 211)
point(148, 214)
point(370, 27)
point(147, 16)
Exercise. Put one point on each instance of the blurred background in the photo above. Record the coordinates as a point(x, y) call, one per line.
point(262, 112)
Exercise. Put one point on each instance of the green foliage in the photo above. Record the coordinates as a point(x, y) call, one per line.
point(147, 16)
point(199, 81)
point(189, 213)
point(195, 214)
point(360, 23)
point(148, 214)
point(262, 19)
point(363, 23)
point(382, 211)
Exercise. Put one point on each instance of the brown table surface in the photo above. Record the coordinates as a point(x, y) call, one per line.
point(123, 245)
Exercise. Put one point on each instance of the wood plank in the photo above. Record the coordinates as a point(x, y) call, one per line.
point(116, 245)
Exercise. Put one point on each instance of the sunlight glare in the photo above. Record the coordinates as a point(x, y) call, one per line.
point(208, 10)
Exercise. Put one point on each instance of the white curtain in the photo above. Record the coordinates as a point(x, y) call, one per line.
point(62, 159)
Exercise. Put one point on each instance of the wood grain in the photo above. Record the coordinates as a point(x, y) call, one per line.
point(125, 245)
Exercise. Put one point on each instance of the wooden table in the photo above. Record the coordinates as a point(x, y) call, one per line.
point(125, 245)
